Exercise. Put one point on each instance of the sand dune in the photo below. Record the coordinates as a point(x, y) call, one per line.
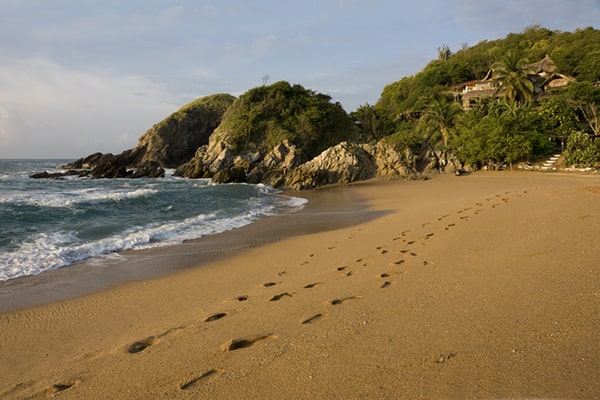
point(479, 286)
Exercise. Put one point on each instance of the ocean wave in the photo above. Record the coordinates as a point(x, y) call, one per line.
point(48, 251)
point(73, 197)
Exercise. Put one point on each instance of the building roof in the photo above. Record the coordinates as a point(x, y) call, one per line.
point(544, 65)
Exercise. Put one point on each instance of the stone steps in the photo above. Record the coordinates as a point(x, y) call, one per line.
point(549, 164)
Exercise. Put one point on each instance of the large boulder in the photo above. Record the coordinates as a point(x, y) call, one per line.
point(343, 163)
point(391, 163)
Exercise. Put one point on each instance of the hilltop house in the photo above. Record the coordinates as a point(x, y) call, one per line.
point(542, 73)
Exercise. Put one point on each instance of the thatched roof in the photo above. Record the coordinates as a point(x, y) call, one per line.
point(545, 65)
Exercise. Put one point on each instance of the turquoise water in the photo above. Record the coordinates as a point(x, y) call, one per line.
point(48, 224)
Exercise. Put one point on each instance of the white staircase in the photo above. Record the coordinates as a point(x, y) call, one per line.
point(549, 165)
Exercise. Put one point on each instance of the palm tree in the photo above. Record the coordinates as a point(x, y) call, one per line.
point(440, 118)
point(511, 77)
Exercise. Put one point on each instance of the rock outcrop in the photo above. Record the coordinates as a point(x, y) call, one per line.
point(283, 166)
point(168, 144)
point(343, 163)
point(210, 138)
point(174, 140)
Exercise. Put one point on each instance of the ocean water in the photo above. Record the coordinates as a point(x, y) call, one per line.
point(48, 224)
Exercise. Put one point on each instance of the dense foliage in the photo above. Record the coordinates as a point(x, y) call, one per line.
point(511, 126)
point(265, 116)
point(423, 112)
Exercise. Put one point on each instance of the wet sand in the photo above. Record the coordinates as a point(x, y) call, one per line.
point(328, 208)
point(479, 286)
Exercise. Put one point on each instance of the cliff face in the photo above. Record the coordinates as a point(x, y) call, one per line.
point(174, 140)
point(167, 144)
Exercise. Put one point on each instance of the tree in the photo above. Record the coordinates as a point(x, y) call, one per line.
point(510, 76)
point(586, 99)
point(439, 120)
point(444, 52)
point(581, 151)
point(372, 124)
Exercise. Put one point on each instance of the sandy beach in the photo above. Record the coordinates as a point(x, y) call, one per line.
point(482, 286)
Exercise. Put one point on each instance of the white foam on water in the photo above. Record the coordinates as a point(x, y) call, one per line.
point(48, 251)
point(72, 197)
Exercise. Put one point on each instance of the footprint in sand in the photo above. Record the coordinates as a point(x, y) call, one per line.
point(268, 284)
point(61, 387)
point(312, 319)
point(442, 358)
point(236, 344)
point(242, 298)
point(204, 378)
point(388, 274)
point(312, 285)
point(141, 345)
point(215, 317)
point(279, 296)
point(386, 284)
point(336, 302)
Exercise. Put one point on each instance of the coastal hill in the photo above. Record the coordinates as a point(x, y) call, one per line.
point(492, 105)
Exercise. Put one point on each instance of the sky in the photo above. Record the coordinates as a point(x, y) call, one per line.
point(81, 76)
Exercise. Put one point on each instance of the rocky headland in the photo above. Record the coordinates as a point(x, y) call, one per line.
point(279, 135)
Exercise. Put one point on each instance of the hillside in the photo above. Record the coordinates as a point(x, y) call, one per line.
point(491, 105)
point(524, 117)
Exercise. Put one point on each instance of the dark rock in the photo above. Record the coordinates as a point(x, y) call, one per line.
point(55, 175)
point(229, 175)
point(88, 162)
point(149, 170)
point(108, 167)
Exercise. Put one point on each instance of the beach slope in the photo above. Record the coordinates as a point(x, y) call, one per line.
point(479, 286)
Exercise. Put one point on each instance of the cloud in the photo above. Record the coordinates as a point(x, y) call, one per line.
point(47, 110)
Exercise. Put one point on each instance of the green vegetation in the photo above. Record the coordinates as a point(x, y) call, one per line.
point(517, 122)
point(520, 118)
point(265, 116)
point(215, 104)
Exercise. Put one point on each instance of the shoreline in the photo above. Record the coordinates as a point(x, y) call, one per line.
point(328, 208)
point(479, 286)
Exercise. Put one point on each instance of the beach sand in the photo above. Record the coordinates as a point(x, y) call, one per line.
point(482, 286)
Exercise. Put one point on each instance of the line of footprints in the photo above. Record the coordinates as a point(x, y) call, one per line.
point(402, 256)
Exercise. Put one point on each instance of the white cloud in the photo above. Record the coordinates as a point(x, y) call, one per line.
point(51, 111)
